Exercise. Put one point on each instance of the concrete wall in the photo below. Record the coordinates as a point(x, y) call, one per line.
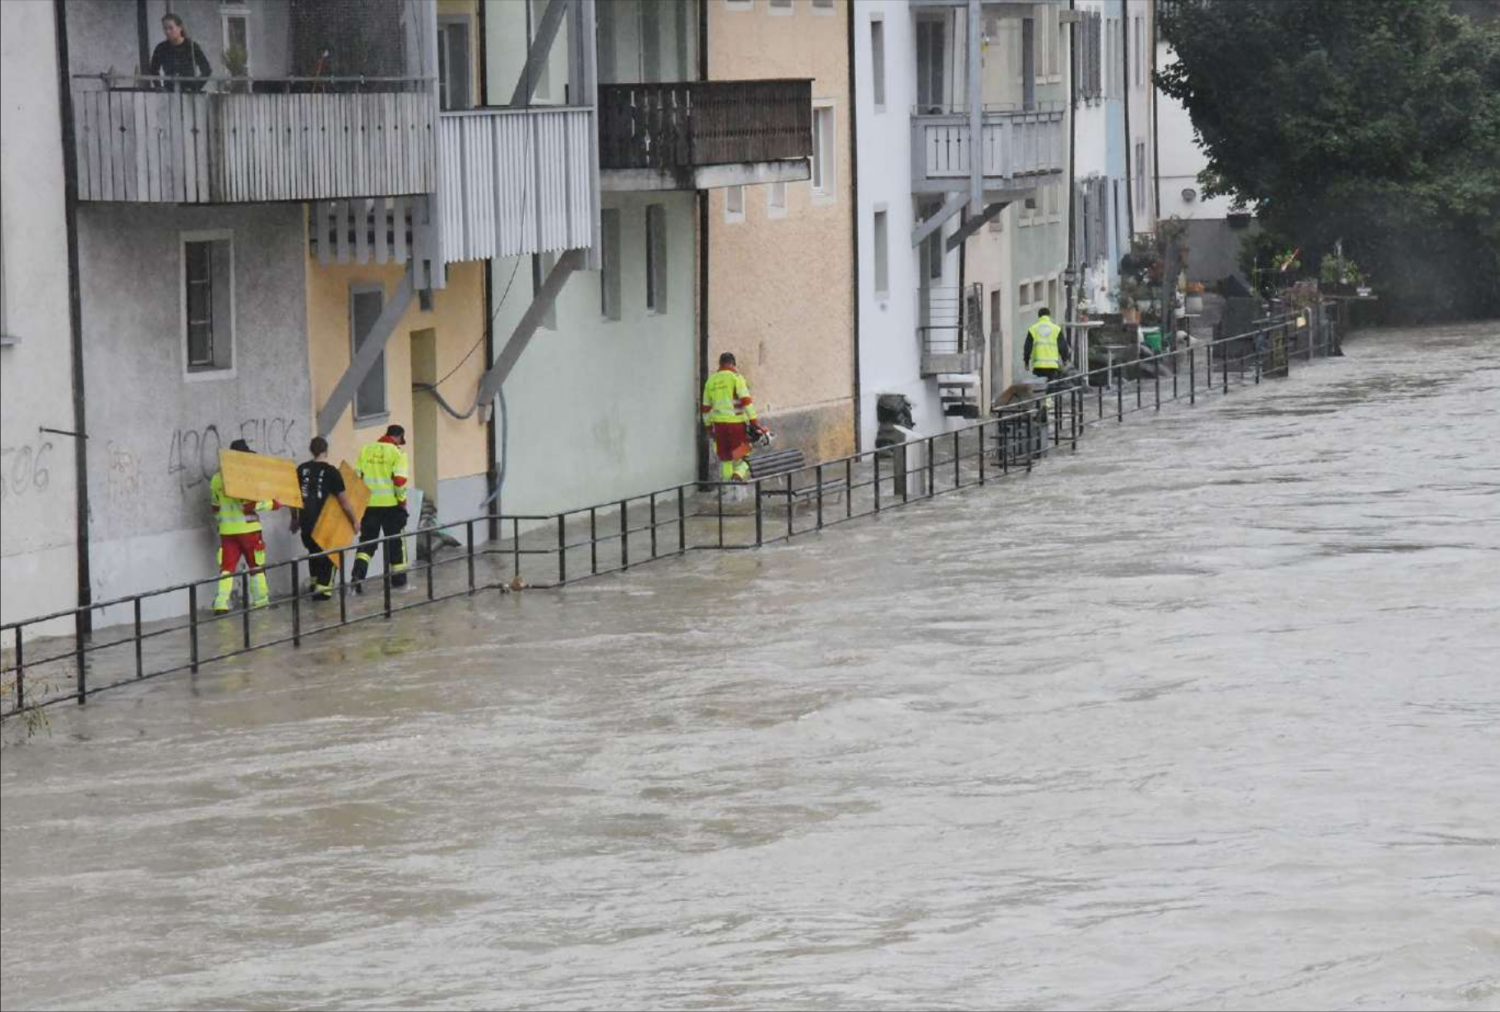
point(889, 349)
point(781, 285)
point(456, 457)
point(154, 429)
point(600, 409)
point(38, 573)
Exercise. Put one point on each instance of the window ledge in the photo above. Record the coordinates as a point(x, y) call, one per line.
point(367, 421)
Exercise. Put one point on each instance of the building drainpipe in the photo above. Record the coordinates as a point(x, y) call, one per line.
point(854, 223)
point(702, 248)
point(1155, 132)
point(491, 460)
point(1129, 141)
point(1073, 267)
point(84, 622)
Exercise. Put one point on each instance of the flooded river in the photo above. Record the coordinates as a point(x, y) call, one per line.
point(1205, 716)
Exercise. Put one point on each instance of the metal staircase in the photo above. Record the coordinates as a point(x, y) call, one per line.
point(953, 346)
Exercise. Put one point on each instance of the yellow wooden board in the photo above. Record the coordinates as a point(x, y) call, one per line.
point(332, 529)
point(259, 477)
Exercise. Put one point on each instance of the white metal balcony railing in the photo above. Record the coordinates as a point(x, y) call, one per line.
point(315, 140)
point(516, 181)
point(1013, 144)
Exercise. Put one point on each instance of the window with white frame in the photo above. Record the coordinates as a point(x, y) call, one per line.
point(776, 200)
point(877, 62)
point(1028, 210)
point(1140, 52)
point(782, 7)
point(365, 303)
point(656, 258)
point(824, 7)
point(1045, 61)
point(739, 5)
point(1023, 295)
point(734, 204)
point(208, 302)
point(824, 153)
point(882, 253)
point(454, 82)
point(609, 268)
point(236, 22)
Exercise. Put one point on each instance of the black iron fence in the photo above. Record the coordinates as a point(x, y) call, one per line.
point(42, 666)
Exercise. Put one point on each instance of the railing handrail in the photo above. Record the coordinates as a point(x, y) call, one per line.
point(1270, 322)
point(326, 79)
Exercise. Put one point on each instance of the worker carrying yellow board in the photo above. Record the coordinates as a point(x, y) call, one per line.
point(238, 522)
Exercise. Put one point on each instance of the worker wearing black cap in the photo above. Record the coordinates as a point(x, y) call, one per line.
point(382, 465)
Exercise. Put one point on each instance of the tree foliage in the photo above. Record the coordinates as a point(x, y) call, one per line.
point(1377, 122)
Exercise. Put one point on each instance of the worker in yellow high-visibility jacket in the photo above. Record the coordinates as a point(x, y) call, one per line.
point(240, 537)
point(1046, 350)
point(730, 419)
point(382, 464)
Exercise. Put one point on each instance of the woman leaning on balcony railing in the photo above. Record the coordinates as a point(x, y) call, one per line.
point(179, 56)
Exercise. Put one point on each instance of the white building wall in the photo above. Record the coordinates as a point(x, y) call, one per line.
point(38, 553)
point(1091, 161)
point(889, 347)
point(1182, 158)
point(599, 409)
point(1140, 24)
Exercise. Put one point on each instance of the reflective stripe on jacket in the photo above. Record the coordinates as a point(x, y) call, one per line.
point(726, 398)
point(383, 467)
point(234, 516)
point(1044, 353)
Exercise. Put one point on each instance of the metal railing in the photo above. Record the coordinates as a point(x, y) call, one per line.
point(692, 123)
point(554, 550)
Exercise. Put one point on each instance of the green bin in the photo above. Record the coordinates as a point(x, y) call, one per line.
point(1151, 337)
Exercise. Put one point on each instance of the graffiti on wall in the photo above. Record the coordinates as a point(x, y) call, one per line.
point(122, 472)
point(194, 454)
point(24, 470)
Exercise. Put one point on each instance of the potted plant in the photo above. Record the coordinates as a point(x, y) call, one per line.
point(237, 66)
point(1195, 296)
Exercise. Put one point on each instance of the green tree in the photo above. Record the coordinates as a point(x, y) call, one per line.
point(1377, 122)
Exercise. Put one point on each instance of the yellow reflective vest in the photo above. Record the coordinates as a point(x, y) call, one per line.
point(1044, 352)
point(380, 464)
point(726, 398)
point(235, 516)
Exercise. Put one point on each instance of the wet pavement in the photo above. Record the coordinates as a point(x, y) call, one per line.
point(1203, 716)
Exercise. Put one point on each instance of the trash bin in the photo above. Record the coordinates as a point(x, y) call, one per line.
point(1151, 338)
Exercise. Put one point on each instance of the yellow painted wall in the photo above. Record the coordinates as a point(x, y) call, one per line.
point(457, 318)
point(781, 290)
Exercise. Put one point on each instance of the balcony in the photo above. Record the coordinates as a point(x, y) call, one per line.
point(1017, 148)
point(704, 134)
point(251, 141)
point(516, 181)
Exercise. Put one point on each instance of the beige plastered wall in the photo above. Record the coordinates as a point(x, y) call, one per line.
point(781, 289)
point(457, 321)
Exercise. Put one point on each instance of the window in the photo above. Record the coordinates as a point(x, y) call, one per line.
point(208, 302)
point(931, 44)
point(824, 7)
point(656, 258)
point(782, 7)
point(453, 63)
point(1026, 214)
point(1046, 52)
point(735, 5)
point(1140, 175)
point(776, 200)
point(650, 21)
point(1023, 296)
point(823, 168)
point(995, 308)
point(237, 33)
point(365, 304)
point(877, 62)
point(734, 204)
point(882, 254)
point(1052, 299)
point(1140, 52)
point(542, 92)
point(609, 269)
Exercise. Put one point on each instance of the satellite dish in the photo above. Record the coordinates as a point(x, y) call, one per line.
point(1189, 195)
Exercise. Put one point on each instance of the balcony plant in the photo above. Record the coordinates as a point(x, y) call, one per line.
point(237, 66)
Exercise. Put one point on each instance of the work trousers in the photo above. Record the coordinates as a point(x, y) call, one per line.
point(323, 568)
point(378, 521)
point(252, 548)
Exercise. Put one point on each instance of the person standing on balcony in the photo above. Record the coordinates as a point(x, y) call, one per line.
point(238, 521)
point(730, 419)
point(320, 481)
point(382, 464)
point(179, 56)
point(1046, 350)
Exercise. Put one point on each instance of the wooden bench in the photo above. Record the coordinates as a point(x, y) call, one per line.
point(770, 463)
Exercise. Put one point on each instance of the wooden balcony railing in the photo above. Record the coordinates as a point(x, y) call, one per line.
point(259, 141)
point(1013, 145)
point(682, 126)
